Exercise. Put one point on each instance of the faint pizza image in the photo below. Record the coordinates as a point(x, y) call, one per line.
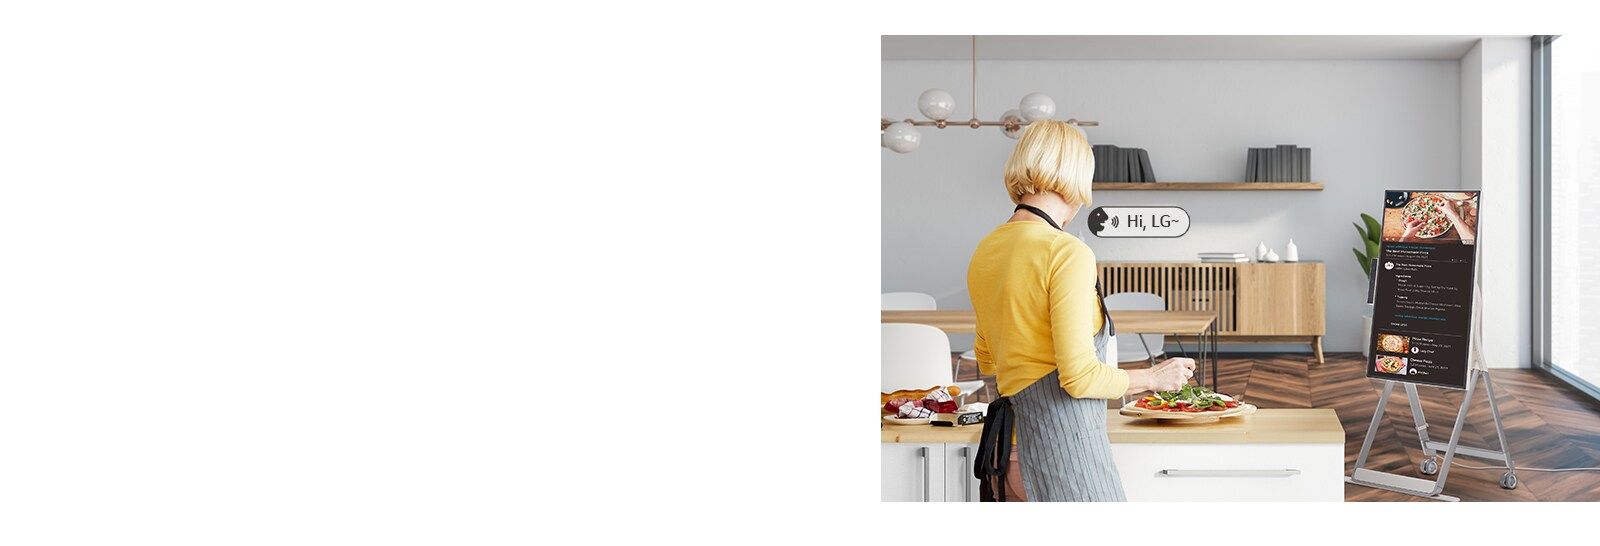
point(1427, 209)
point(1391, 364)
point(1390, 343)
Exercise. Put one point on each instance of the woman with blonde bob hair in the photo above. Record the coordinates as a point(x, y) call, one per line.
point(1043, 331)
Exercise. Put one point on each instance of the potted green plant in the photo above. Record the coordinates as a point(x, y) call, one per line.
point(1370, 238)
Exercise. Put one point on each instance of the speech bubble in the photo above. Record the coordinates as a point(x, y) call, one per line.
point(1136, 222)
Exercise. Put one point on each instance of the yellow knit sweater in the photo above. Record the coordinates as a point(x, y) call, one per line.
point(1032, 288)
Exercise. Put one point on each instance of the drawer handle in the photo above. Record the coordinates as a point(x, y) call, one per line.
point(922, 453)
point(1263, 473)
point(966, 481)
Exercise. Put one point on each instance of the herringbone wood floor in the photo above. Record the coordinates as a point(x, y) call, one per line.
point(1548, 424)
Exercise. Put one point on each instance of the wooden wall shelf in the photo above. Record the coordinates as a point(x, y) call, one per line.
point(1208, 186)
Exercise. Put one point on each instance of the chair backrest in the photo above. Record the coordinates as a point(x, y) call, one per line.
point(915, 356)
point(909, 301)
point(1130, 348)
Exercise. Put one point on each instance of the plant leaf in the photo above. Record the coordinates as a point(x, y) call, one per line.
point(1362, 260)
point(1363, 232)
point(1372, 249)
point(1374, 229)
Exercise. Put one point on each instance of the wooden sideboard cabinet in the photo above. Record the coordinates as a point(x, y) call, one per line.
point(1255, 302)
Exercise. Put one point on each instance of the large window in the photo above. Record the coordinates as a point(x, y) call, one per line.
point(1571, 141)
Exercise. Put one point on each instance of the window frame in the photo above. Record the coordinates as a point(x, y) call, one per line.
point(1542, 186)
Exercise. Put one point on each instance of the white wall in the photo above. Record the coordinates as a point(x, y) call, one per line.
point(1496, 105)
point(1372, 125)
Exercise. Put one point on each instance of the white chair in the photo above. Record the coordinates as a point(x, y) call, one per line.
point(918, 301)
point(972, 356)
point(909, 301)
point(917, 356)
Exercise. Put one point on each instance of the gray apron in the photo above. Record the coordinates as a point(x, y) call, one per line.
point(1061, 440)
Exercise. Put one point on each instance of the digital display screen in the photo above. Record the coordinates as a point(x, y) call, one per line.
point(1422, 305)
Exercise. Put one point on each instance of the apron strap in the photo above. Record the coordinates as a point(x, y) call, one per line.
point(994, 449)
point(1111, 329)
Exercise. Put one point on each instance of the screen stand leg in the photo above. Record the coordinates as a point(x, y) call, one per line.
point(1431, 465)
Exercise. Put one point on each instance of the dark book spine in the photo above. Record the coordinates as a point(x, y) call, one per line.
point(1100, 163)
point(1105, 163)
point(1134, 174)
point(1119, 165)
point(1144, 166)
point(1285, 163)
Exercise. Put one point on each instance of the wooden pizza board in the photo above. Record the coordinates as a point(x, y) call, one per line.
point(1185, 418)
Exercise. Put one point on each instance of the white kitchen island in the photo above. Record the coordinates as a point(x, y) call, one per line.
point(1273, 455)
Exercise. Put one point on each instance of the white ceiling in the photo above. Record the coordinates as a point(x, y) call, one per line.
point(1178, 47)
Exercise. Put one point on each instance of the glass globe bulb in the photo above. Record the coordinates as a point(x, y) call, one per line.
point(902, 137)
point(1012, 117)
point(937, 104)
point(1037, 106)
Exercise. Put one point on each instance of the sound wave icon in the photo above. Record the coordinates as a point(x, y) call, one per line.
point(1113, 221)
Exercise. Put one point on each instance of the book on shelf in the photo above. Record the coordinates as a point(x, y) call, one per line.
point(1117, 164)
point(1135, 174)
point(1239, 260)
point(1281, 163)
point(1102, 162)
point(1272, 163)
point(1123, 166)
point(1149, 173)
point(1303, 159)
point(1289, 164)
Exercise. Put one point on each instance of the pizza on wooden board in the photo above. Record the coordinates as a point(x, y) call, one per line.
point(1189, 399)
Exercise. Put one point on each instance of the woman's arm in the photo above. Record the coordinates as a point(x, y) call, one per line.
point(1170, 375)
point(980, 348)
point(1073, 313)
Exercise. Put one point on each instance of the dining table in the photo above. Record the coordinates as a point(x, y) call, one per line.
point(1200, 324)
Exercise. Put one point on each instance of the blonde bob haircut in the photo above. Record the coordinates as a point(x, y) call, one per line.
point(1051, 156)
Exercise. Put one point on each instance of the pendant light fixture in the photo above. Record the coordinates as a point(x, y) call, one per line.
point(937, 105)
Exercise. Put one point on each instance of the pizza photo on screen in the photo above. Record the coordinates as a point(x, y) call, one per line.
point(1390, 364)
point(1443, 217)
point(1391, 343)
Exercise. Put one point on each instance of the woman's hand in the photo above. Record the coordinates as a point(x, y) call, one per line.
point(1410, 235)
point(1170, 375)
point(1453, 210)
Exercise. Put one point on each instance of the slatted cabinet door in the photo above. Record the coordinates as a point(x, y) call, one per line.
point(1185, 287)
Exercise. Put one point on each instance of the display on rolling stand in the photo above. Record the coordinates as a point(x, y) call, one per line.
point(1426, 329)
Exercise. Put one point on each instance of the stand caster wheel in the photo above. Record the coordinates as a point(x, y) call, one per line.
point(1430, 466)
point(1508, 481)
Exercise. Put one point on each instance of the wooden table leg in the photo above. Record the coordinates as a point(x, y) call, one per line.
point(1316, 347)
